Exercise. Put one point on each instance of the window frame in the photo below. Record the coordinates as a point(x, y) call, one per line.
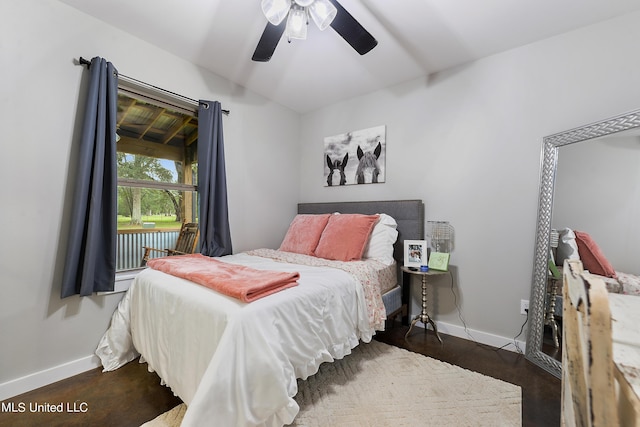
point(160, 97)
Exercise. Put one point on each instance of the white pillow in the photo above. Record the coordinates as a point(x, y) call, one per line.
point(383, 236)
point(567, 246)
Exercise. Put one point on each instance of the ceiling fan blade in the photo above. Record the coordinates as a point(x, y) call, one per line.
point(268, 42)
point(351, 30)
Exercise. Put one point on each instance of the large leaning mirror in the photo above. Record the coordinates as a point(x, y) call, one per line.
point(589, 181)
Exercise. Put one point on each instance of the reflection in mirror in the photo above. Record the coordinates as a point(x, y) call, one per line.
point(597, 191)
point(589, 182)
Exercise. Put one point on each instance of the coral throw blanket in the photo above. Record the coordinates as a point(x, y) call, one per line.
point(244, 283)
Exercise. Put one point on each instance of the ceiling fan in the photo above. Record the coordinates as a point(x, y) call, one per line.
point(323, 12)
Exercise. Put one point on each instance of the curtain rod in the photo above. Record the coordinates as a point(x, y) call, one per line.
point(86, 62)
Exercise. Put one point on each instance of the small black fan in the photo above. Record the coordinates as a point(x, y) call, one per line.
point(343, 23)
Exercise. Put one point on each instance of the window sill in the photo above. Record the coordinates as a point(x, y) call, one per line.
point(123, 281)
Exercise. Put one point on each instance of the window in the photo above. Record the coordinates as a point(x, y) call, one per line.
point(157, 171)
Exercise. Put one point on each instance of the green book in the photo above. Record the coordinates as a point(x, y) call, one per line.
point(554, 270)
point(439, 261)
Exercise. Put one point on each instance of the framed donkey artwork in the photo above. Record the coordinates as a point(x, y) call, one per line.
point(356, 157)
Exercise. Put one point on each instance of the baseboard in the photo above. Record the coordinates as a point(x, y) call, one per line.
point(48, 376)
point(481, 337)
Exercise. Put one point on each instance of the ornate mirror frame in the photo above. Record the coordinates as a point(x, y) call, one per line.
point(548, 166)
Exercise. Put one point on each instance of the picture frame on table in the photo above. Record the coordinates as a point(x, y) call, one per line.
point(415, 253)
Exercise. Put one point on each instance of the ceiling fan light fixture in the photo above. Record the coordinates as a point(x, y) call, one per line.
point(323, 13)
point(276, 10)
point(296, 24)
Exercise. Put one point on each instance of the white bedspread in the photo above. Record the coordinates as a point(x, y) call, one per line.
point(232, 362)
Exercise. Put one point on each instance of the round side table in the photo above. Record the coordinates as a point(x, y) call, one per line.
point(424, 315)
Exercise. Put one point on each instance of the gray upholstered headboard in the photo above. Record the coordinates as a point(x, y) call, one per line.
point(409, 214)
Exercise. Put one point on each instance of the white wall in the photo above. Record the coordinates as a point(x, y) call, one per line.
point(468, 141)
point(40, 102)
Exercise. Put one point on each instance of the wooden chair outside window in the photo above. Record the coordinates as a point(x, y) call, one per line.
point(186, 243)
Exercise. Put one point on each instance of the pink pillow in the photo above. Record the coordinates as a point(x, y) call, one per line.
point(592, 257)
point(304, 234)
point(345, 237)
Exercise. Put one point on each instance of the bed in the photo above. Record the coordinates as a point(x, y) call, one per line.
point(236, 362)
point(578, 245)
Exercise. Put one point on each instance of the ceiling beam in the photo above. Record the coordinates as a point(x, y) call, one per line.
point(150, 149)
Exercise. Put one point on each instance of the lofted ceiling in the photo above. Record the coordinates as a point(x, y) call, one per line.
point(415, 38)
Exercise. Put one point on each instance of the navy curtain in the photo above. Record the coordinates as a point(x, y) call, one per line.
point(90, 263)
point(215, 236)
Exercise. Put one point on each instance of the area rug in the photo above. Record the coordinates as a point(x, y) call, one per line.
point(379, 385)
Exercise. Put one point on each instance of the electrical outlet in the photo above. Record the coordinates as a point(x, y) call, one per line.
point(524, 306)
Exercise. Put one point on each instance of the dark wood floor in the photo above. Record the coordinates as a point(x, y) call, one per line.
point(131, 396)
